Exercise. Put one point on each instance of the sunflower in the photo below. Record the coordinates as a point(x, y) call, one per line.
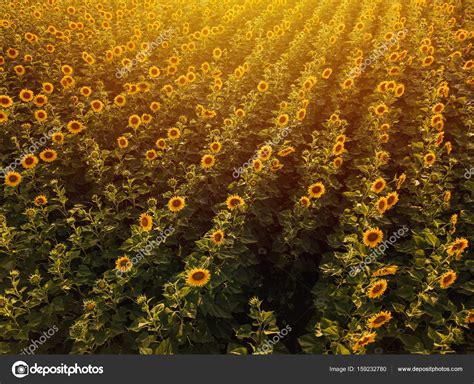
point(146, 222)
point(458, 246)
point(427, 61)
point(6, 101)
point(3, 117)
point(151, 155)
point(401, 180)
point(208, 161)
point(326, 73)
point(262, 86)
point(176, 203)
point(378, 185)
point(122, 142)
point(385, 271)
point(12, 179)
point(29, 161)
point(447, 279)
point(155, 106)
point(217, 237)
point(348, 83)
point(19, 70)
point(41, 115)
point(160, 143)
point(123, 264)
point(120, 100)
point(85, 91)
point(197, 277)
point(429, 159)
point(372, 237)
point(134, 121)
point(265, 152)
point(377, 289)
point(40, 200)
point(379, 319)
point(470, 317)
point(316, 190)
point(57, 138)
point(381, 205)
point(399, 90)
point(337, 162)
point(381, 109)
point(437, 108)
point(174, 133)
point(282, 120)
point(48, 155)
point(75, 127)
point(392, 199)
point(305, 201)
point(365, 339)
point(234, 201)
point(154, 72)
point(40, 100)
point(286, 151)
point(338, 148)
point(97, 106)
point(48, 88)
point(257, 165)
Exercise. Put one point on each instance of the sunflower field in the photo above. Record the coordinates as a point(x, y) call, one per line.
point(236, 177)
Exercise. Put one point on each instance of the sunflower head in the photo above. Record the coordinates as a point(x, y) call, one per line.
point(377, 289)
point(29, 161)
point(447, 279)
point(41, 200)
point(48, 155)
point(176, 203)
point(234, 201)
point(197, 277)
point(12, 179)
point(208, 161)
point(372, 237)
point(385, 271)
point(378, 185)
point(146, 222)
point(123, 264)
point(379, 319)
point(217, 237)
point(316, 190)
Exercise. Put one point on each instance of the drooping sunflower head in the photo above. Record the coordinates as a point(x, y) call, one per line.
point(286, 151)
point(379, 319)
point(234, 202)
point(378, 185)
point(372, 237)
point(12, 179)
point(316, 190)
point(392, 199)
point(377, 289)
point(176, 203)
point(146, 222)
point(385, 271)
point(381, 205)
point(447, 279)
point(457, 247)
point(337, 162)
point(208, 161)
point(198, 277)
point(364, 340)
